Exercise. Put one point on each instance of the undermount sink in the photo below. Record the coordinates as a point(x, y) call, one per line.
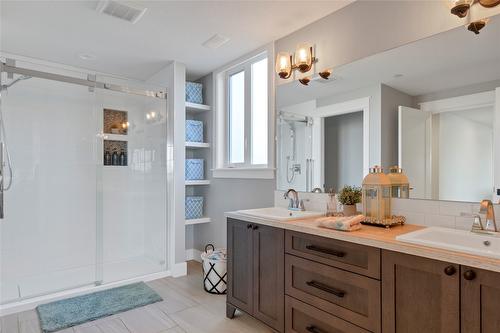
point(455, 240)
point(280, 213)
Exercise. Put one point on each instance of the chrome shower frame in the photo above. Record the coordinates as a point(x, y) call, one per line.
point(9, 66)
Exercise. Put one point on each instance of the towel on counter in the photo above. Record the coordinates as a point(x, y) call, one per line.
point(347, 223)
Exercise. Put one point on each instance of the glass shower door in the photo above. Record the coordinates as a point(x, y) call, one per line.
point(48, 236)
point(134, 191)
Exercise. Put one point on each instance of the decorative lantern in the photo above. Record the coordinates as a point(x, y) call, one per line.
point(400, 183)
point(377, 197)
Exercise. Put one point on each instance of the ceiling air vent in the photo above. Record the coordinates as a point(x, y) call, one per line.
point(215, 41)
point(122, 10)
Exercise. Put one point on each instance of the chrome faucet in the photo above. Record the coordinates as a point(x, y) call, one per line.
point(487, 209)
point(294, 203)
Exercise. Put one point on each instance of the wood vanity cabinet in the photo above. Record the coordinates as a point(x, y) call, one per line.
point(480, 300)
point(300, 283)
point(419, 295)
point(256, 272)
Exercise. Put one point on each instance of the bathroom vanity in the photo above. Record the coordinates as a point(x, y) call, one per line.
point(298, 277)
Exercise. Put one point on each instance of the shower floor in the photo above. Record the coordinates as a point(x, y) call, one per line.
point(15, 289)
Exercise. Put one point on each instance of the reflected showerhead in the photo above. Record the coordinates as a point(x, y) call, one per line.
point(13, 82)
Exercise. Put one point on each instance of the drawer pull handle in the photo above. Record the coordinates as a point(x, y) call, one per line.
point(314, 329)
point(324, 287)
point(325, 250)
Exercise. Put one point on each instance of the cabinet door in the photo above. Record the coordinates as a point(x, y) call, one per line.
point(240, 265)
point(269, 276)
point(419, 295)
point(480, 301)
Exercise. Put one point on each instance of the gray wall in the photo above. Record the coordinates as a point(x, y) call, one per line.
point(391, 100)
point(365, 28)
point(344, 150)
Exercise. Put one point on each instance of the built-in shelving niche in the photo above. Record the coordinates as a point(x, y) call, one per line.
point(115, 123)
point(112, 146)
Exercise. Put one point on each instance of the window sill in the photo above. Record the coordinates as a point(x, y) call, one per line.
point(244, 173)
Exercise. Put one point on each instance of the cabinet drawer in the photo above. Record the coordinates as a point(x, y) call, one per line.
point(350, 296)
point(352, 257)
point(303, 318)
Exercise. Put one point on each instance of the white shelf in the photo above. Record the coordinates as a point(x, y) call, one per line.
point(194, 107)
point(198, 221)
point(115, 137)
point(197, 182)
point(197, 145)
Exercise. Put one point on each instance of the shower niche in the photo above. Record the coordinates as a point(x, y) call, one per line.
point(115, 125)
point(115, 153)
point(115, 122)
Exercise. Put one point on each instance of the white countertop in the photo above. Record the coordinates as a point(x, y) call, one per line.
point(377, 237)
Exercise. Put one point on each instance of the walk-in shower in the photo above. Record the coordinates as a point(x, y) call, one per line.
point(6, 175)
point(70, 222)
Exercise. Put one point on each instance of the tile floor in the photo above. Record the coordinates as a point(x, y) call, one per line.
point(186, 308)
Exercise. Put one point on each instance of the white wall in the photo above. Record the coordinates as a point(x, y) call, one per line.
point(465, 156)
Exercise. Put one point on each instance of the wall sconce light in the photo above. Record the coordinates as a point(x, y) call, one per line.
point(461, 9)
point(302, 60)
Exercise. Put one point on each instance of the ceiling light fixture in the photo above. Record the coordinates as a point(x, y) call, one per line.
point(461, 8)
point(302, 60)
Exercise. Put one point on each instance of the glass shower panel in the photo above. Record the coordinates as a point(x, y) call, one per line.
point(48, 236)
point(294, 152)
point(134, 197)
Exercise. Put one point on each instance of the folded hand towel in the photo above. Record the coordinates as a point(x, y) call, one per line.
point(349, 223)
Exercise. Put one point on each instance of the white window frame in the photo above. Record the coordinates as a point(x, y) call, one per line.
point(224, 169)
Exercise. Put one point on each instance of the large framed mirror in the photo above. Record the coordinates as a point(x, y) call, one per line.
point(431, 107)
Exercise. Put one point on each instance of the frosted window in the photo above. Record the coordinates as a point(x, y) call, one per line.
point(259, 112)
point(237, 118)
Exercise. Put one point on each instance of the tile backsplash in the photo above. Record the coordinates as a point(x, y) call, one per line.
point(445, 214)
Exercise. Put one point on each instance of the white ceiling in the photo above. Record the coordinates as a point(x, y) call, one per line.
point(453, 59)
point(59, 31)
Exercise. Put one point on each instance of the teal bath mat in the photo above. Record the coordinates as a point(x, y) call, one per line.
point(74, 311)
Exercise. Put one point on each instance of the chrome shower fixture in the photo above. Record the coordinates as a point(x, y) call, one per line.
point(13, 82)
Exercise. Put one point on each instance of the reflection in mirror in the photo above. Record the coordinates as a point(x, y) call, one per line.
point(446, 148)
point(434, 110)
point(312, 141)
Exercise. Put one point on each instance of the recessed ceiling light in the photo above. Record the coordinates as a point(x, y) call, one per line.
point(397, 75)
point(87, 56)
point(215, 41)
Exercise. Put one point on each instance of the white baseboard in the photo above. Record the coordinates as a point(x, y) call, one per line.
point(31, 303)
point(193, 254)
point(179, 269)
